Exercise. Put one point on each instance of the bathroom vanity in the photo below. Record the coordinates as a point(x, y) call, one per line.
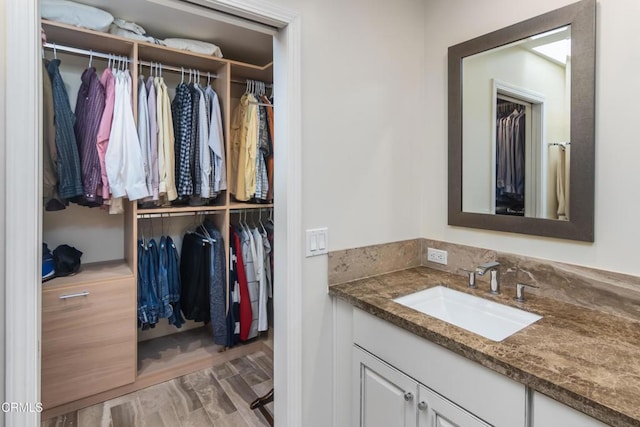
point(573, 367)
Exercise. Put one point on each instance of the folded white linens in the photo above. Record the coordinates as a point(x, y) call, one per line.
point(131, 30)
point(196, 46)
point(79, 15)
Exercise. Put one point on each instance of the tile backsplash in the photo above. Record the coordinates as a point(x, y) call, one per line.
point(606, 291)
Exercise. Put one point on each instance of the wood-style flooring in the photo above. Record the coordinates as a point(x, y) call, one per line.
point(218, 396)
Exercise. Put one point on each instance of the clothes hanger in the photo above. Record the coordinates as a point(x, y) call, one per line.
point(271, 216)
point(181, 75)
point(208, 78)
point(90, 57)
point(264, 230)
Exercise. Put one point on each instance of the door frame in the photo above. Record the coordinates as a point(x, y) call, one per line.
point(23, 212)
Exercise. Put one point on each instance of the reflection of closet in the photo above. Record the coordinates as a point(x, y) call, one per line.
point(91, 348)
point(511, 145)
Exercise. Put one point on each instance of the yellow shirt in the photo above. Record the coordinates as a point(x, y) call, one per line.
point(169, 142)
point(244, 142)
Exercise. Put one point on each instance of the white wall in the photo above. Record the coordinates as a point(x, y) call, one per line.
point(617, 151)
point(363, 137)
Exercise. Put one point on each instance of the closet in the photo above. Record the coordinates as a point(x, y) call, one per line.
point(92, 348)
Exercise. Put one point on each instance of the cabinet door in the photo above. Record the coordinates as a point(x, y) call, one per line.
point(548, 412)
point(88, 339)
point(436, 411)
point(383, 396)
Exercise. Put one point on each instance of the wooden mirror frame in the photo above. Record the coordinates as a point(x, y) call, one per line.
point(582, 18)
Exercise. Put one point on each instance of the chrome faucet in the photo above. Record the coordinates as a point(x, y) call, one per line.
point(492, 268)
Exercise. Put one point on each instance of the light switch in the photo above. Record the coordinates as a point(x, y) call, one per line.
point(317, 241)
point(322, 244)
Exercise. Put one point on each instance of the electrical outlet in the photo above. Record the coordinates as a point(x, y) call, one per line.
point(437, 255)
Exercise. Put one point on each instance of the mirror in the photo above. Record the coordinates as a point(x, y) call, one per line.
point(521, 126)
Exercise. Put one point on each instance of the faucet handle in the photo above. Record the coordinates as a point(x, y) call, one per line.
point(520, 291)
point(472, 278)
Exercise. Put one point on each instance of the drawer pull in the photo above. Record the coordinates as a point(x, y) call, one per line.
point(79, 294)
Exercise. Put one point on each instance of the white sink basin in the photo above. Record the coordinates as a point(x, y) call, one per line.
point(483, 317)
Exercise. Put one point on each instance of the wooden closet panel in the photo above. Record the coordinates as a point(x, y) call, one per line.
point(88, 341)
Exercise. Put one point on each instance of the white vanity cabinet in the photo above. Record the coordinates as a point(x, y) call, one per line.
point(548, 412)
point(390, 362)
point(436, 411)
point(387, 397)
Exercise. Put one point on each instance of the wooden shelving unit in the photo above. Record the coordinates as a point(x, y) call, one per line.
point(166, 357)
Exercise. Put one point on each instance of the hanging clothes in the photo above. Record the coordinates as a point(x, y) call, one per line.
point(90, 105)
point(51, 200)
point(173, 278)
point(262, 149)
point(147, 288)
point(194, 149)
point(233, 313)
point(158, 283)
point(246, 309)
point(195, 277)
point(216, 144)
point(144, 132)
point(68, 162)
point(253, 285)
point(125, 168)
point(218, 285)
point(244, 134)
point(104, 129)
point(269, 157)
point(263, 323)
point(203, 155)
point(181, 110)
point(153, 139)
point(510, 159)
point(166, 168)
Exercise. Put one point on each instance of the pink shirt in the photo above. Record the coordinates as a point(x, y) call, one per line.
point(104, 130)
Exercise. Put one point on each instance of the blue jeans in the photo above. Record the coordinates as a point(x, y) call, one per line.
point(164, 310)
point(173, 281)
point(147, 289)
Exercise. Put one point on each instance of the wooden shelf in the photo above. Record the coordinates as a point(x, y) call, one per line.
point(82, 38)
point(92, 272)
point(240, 205)
point(86, 39)
point(180, 58)
point(242, 71)
point(184, 352)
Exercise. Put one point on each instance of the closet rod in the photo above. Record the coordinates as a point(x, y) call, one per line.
point(244, 82)
point(243, 210)
point(564, 144)
point(95, 54)
point(85, 52)
point(169, 214)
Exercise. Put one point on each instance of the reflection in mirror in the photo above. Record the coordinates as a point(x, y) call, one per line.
point(516, 128)
point(522, 133)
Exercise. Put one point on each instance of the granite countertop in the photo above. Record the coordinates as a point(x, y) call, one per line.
point(583, 358)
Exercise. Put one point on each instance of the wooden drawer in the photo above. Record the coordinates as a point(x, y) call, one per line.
point(88, 339)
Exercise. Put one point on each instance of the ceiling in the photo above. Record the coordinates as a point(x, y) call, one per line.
point(162, 21)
